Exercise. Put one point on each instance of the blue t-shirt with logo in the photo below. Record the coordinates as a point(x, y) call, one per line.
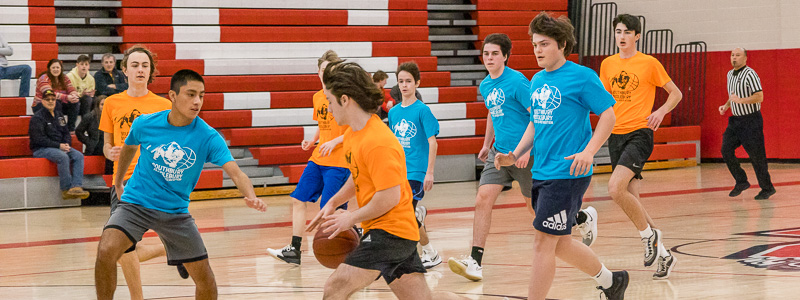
point(508, 98)
point(170, 161)
point(562, 100)
point(413, 125)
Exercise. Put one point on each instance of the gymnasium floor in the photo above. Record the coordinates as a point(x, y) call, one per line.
point(49, 254)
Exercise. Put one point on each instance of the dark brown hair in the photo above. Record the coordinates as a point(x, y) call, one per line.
point(378, 76)
point(56, 83)
point(349, 78)
point(150, 55)
point(499, 39)
point(84, 58)
point(631, 22)
point(559, 29)
point(410, 67)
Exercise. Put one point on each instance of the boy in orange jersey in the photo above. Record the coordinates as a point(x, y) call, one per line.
point(632, 78)
point(119, 112)
point(325, 172)
point(376, 160)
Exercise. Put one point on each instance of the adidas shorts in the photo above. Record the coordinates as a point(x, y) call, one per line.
point(631, 150)
point(557, 202)
point(392, 255)
point(506, 175)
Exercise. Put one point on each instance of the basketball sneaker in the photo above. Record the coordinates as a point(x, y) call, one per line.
point(421, 213)
point(651, 247)
point(618, 287)
point(288, 254)
point(665, 265)
point(588, 229)
point(430, 259)
point(466, 266)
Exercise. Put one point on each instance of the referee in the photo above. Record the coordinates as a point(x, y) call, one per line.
point(745, 126)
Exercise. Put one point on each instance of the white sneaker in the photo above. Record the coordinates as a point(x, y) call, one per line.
point(588, 229)
point(466, 266)
point(286, 254)
point(430, 259)
point(421, 213)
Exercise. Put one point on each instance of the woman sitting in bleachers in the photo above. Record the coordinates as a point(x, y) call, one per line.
point(50, 139)
point(89, 134)
point(54, 79)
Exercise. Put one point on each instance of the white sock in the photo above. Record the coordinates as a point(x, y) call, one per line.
point(429, 248)
point(605, 279)
point(662, 251)
point(646, 233)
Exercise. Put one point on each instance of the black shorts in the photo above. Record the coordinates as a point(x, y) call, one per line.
point(557, 202)
point(393, 256)
point(631, 150)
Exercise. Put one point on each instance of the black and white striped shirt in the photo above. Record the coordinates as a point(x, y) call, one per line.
point(743, 83)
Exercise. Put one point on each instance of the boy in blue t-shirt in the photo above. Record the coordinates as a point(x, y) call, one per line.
point(416, 128)
point(561, 136)
point(175, 144)
point(506, 94)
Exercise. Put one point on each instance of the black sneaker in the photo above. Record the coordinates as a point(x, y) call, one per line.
point(288, 254)
point(651, 247)
point(182, 271)
point(738, 189)
point(617, 289)
point(765, 194)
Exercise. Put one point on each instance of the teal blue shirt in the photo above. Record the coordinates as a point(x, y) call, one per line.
point(413, 125)
point(508, 98)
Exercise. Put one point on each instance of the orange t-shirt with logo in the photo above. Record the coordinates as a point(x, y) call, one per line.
point(120, 110)
point(632, 82)
point(328, 130)
point(377, 162)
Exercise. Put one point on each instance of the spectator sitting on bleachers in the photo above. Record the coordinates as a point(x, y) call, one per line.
point(89, 134)
point(379, 78)
point(55, 80)
point(83, 83)
point(49, 138)
point(109, 80)
point(22, 72)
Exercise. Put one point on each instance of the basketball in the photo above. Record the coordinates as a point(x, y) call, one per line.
point(332, 252)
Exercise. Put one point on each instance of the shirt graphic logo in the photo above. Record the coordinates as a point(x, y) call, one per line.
point(127, 120)
point(62, 121)
point(623, 84)
point(353, 166)
point(545, 100)
point(175, 160)
point(322, 112)
point(495, 102)
point(404, 131)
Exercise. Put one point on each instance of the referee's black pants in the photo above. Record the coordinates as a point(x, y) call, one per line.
point(746, 131)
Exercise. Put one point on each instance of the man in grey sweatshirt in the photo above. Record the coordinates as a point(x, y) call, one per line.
point(22, 72)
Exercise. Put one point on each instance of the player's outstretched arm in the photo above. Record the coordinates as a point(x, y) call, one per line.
point(582, 162)
point(126, 154)
point(382, 202)
point(347, 192)
point(326, 148)
point(523, 150)
point(488, 138)
point(244, 185)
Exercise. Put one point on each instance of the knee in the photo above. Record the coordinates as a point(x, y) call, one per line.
point(298, 206)
point(108, 253)
point(60, 158)
point(484, 200)
point(333, 285)
point(616, 188)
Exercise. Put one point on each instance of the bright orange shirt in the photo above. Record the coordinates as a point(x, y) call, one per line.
point(632, 82)
point(328, 130)
point(377, 162)
point(120, 110)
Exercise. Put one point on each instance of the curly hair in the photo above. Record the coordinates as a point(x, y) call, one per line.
point(559, 29)
point(349, 78)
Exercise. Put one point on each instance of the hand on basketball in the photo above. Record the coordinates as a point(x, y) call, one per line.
point(323, 212)
point(655, 119)
point(428, 184)
point(505, 160)
point(581, 163)
point(337, 222)
point(256, 203)
point(484, 154)
point(306, 144)
point(326, 148)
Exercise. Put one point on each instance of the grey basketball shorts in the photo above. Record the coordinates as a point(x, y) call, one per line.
point(505, 175)
point(178, 232)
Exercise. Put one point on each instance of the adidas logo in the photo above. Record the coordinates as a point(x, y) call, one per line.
point(367, 239)
point(557, 221)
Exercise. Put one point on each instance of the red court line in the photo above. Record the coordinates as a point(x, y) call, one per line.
point(433, 211)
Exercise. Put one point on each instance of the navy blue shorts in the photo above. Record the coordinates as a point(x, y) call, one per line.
point(557, 202)
point(417, 192)
point(320, 182)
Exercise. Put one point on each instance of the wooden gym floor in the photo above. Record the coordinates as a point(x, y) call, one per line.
point(726, 247)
